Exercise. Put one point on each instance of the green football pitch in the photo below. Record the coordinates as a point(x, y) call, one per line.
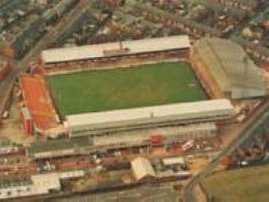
point(144, 85)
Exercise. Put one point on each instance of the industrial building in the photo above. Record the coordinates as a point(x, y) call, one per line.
point(226, 70)
point(38, 184)
point(142, 169)
point(169, 161)
point(57, 148)
point(170, 169)
point(98, 123)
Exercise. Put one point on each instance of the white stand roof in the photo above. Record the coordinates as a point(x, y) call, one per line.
point(145, 115)
point(98, 50)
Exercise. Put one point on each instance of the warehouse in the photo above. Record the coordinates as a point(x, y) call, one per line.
point(34, 185)
point(142, 169)
point(97, 123)
point(226, 70)
point(57, 148)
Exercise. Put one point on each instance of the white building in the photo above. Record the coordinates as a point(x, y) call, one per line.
point(173, 161)
point(37, 185)
point(97, 123)
point(142, 169)
point(97, 51)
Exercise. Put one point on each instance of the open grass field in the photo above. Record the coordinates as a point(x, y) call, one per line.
point(242, 185)
point(145, 85)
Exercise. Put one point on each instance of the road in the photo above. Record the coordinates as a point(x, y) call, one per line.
point(47, 39)
point(249, 128)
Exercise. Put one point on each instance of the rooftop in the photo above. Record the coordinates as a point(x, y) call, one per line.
point(57, 145)
point(101, 50)
point(189, 110)
point(229, 64)
point(173, 161)
point(142, 168)
point(138, 136)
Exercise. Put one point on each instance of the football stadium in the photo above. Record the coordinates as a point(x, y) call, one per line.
point(140, 85)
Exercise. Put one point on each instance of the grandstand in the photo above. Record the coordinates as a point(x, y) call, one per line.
point(91, 56)
point(109, 49)
point(99, 123)
point(226, 70)
point(39, 104)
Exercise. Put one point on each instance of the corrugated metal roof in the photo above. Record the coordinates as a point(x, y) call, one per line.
point(173, 161)
point(43, 183)
point(142, 168)
point(229, 65)
point(55, 146)
point(98, 50)
point(182, 111)
point(36, 184)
